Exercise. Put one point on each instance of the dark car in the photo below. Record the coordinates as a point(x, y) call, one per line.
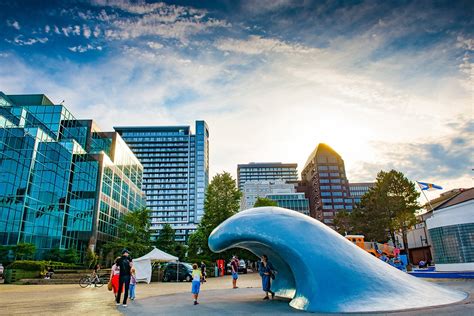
point(184, 273)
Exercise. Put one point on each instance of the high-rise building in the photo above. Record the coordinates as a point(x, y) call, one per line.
point(292, 201)
point(63, 183)
point(176, 173)
point(358, 189)
point(266, 171)
point(325, 182)
point(254, 189)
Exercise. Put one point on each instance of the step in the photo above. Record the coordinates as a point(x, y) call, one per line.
point(47, 281)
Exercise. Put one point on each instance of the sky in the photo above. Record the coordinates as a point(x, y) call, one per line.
point(387, 84)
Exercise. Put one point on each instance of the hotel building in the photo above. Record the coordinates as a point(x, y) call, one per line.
point(176, 173)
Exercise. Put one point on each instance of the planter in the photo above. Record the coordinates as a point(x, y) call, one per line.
point(15, 275)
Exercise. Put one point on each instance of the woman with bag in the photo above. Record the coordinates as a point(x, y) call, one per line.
point(114, 277)
point(267, 272)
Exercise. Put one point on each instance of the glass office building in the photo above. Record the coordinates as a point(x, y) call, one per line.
point(176, 173)
point(63, 183)
point(254, 189)
point(358, 189)
point(271, 171)
point(293, 201)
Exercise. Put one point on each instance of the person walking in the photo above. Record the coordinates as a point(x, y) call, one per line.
point(196, 284)
point(203, 271)
point(133, 284)
point(234, 265)
point(267, 272)
point(114, 276)
point(125, 265)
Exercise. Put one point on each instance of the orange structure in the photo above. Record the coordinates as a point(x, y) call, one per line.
point(371, 247)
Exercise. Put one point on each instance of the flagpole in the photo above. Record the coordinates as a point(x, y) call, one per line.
point(429, 203)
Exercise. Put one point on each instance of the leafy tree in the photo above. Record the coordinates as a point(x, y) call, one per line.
point(387, 208)
point(222, 201)
point(25, 251)
point(261, 201)
point(133, 234)
point(90, 259)
point(166, 239)
point(7, 254)
point(70, 255)
point(54, 254)
point(342, 222)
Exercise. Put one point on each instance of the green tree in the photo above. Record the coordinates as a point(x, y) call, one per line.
point(387, 208)
point(342, 222)
point(7, 254)
point(54, 254)
point(90, 259)
point(166, 239)
point(221, 202)
point(24, 251)
point(133, 234)
point(70, 255)
point(261, 201)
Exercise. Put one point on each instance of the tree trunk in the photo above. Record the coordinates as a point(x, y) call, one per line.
point(392, 237)
point(405, 244)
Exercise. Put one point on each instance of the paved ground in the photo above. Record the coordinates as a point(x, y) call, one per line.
point(174, 299)
point(248, 301)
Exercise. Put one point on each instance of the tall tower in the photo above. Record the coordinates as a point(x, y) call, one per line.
point(176, 173)
point(325, 184)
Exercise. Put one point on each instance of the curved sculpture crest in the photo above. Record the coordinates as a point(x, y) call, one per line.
point(320, 270)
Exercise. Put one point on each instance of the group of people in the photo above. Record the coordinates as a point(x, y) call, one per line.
point(123, 277)
point(265, 269)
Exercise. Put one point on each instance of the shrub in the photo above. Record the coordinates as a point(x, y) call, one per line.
point(30, 265)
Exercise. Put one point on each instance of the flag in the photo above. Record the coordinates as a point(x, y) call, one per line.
point(428, 186)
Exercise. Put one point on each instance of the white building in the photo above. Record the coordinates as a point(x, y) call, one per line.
point(451, 229)
point(254, 189)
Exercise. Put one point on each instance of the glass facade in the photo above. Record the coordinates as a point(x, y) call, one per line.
point(266, 171)
point(52, 169)
point(176, 173)
point(453, 244)
point(357, 190)
point(295, 201)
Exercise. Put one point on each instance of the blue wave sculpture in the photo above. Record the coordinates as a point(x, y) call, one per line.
point(320, 270)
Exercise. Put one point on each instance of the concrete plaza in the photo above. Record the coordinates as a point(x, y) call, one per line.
point(216, 298)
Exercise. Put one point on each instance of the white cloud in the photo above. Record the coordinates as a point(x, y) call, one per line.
point(154, 45)
point(66, 30)
point(19, 40)
point(256, 45)
point(96, 31)
point(84, 48)
point(155, 19)
point(47, 28)
point(86, 31)
point(76, 30)
point(14, 24)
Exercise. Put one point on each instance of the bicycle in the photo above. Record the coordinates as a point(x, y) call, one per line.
point(89, 280)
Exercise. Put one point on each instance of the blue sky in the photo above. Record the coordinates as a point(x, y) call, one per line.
point(388, 84)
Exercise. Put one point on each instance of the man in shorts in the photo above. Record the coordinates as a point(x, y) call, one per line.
point(234, 265)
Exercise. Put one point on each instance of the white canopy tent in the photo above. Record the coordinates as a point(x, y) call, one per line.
point(143, 265)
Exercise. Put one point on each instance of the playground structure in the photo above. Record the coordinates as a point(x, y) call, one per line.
point(320, 270)
point(372, 247)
